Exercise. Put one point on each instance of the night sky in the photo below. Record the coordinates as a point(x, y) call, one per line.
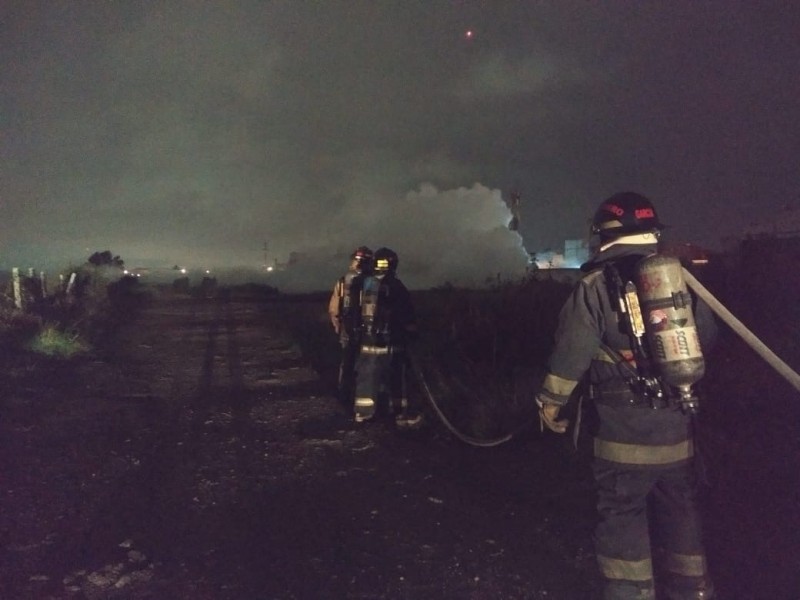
point(193, 133)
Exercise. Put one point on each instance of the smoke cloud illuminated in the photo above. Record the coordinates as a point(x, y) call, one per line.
point(456, 236)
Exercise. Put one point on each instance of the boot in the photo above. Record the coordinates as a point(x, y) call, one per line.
point(364, 409)
point(628, 591)
point(688, 588)
point(706, 593)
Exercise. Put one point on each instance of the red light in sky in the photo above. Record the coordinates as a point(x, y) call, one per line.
point(469, 34)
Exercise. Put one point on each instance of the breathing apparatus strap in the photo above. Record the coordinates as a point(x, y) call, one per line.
point(630, 373)
point(625, 300)
point(626, 304)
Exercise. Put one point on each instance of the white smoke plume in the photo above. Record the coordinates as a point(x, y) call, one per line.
point(458, 236)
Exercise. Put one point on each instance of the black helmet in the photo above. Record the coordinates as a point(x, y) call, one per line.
point(362, 255)
point(625, 213)
point(385, 261)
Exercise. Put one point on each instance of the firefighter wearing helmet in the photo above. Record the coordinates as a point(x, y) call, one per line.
point(642, 430)
point(344, 310)
point(388, 323)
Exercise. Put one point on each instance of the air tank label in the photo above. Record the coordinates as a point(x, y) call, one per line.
point(676, 344)
point(658, 320)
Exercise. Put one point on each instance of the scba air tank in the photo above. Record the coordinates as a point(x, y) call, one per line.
point(669, 322)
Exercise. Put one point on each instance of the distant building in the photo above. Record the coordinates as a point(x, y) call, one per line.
point(575, 253)
point(547, 259)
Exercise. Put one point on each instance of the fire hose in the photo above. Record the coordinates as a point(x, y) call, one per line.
point(467, 439)
point(738, 327)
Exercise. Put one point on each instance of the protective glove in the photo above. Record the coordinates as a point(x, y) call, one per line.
point(548, 417)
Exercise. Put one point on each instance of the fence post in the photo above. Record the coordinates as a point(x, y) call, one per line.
point(71, 283)
point(17, 288)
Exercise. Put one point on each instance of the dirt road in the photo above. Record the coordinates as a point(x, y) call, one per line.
point(204, 458)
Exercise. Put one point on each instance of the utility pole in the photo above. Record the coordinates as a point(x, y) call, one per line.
point(513, 205)
point(266, 264)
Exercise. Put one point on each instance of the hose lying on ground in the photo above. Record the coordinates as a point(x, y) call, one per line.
point(467, 439)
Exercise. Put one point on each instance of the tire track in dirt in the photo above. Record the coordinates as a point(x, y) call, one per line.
point(223, 397)
point(206, 453)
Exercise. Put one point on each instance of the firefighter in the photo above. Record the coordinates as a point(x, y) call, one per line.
point(643, 436)
point(345, 314)
point(388, 323)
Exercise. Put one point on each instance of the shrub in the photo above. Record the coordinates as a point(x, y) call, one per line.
point(482, 352)
point(65, 324)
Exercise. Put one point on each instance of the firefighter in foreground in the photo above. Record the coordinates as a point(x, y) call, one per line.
point(388, 324)
point(642, 416)
point(344, 310)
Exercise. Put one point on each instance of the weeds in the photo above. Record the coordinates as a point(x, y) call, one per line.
point(482, 352)
point(71, 322)
point(51, 341)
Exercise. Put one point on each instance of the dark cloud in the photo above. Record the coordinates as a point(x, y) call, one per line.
point(193, 133)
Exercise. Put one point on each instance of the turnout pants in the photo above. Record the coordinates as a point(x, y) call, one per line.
point(380, 382)
point(347, 366)
point(647, 515)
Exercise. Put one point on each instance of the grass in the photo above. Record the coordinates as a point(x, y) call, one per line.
point(64, 325)
point(51, 341)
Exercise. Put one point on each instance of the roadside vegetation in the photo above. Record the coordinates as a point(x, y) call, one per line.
point(482, 352)
point(77, 315)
